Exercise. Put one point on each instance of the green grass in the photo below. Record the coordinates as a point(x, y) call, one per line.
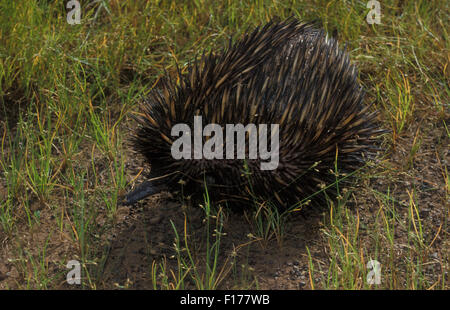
point(67, 92)
point(204, 272)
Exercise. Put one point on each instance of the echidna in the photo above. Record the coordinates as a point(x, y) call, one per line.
point(287, 73)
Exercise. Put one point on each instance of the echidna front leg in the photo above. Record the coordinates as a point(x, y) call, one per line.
point(144, 190)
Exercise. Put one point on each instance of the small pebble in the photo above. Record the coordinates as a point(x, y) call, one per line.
point(155, 220)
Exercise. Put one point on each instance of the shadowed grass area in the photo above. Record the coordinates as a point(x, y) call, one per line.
point(66, 95)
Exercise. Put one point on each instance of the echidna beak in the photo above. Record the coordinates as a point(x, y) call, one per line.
point(144, 190)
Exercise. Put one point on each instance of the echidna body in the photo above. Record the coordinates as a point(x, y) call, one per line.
point(285, 73)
